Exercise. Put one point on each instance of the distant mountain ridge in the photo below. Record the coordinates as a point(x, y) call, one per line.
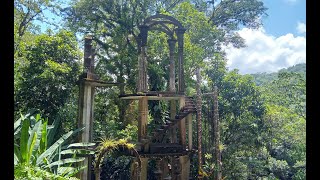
point(262, 78)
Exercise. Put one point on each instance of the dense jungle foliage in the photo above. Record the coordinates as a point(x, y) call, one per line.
point(262, 116)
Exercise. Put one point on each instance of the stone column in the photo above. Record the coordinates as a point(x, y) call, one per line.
point(185, 167)
point(143, 119)
point(181, 84)
point(173, 130)
point(189, 122)
point(158, 172)
point(144, 168)
point(176, 169)
point(85, 106)
point(172, 83)
point(142, 76)
point(142, 133)
point(172, 88)
point(182, 125)
point(88, 69)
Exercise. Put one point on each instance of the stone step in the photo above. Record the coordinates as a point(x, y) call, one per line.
point(165, 148)
point(144, 140)
point(164, 126)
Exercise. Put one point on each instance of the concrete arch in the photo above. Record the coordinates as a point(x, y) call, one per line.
point(171, 20)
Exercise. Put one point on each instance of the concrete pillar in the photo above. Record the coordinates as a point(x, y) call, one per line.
point(144, 168)
point(182, 125)
point(86, 120)
point(173, 130)
point(185, 167)
point(159, 170)
point(143, 118)
point(85, 106)
point(142, 133)
point(181, 84)
point(189, 122)
point(176, 172)
point(142, 62)
point(172, 79)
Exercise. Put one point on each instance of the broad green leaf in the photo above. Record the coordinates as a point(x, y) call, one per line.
point(77, 151)
point(81, 145)
point(17, 155)
point(36, 131)
point(15, 159)
point(64, 170)
point(50, 127)
point(66, 161)
point(59, 153)
point(50, 152)
point(69, 171)
point(17, 124)
point(51, 132)
point(43, 141)
point(32, 144)
point(24, 140)
point(38, 117)
point(74, 171)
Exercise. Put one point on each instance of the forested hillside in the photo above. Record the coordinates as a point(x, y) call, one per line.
point(262, 116)
point(263, 78)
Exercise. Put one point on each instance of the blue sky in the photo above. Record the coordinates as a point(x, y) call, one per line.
point(284, 16)
point(280, 43)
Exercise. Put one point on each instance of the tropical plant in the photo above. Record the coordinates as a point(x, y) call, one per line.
point(107, 146)
point(34, 153)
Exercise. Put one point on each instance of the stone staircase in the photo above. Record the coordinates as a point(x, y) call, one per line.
point(189, 107)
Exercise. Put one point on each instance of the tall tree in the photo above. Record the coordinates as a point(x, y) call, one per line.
point(51, 74)
point(288, 90)
point(241, 108)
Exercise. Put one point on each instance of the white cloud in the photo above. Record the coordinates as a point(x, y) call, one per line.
point(301, 28)
point(266, 53)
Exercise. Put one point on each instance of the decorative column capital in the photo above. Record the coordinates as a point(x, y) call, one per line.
point(144, 34)
point(172, 43)
point(180, 30)
point(139, 39)
point(89, 53)
point(87, 46)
